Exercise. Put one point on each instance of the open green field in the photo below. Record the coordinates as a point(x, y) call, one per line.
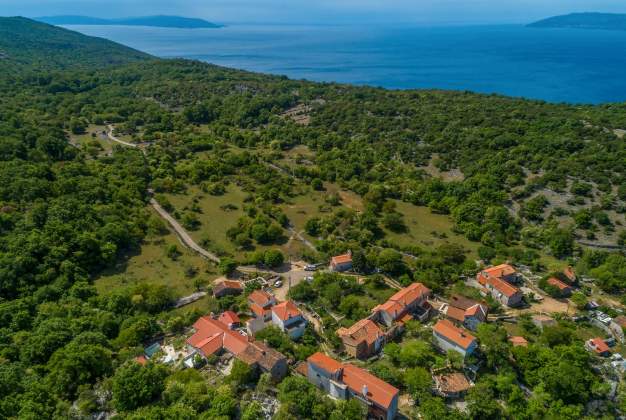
point(152, 265)
point(91, 142)
point(427, 229)
point(214, 218)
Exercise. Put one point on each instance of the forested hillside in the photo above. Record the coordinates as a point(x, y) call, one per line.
point(493, 170)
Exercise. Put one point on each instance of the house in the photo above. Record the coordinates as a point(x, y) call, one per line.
point(410, 300)
point(518, 341)
point(451, 385)
point(288, 318)
point(363, 339)
point(504, 272)
point(450, 337)
point(563, 288)
point(571, 275)
point(230, 319)
point(212, 337)
point(598, 346)
point(341, 262)
point(259, 356)
point(465, 311)
point(542, 321)
point(260, 303)
point(224, 287)
point(503, 292)
point(345, 381)
point(141, 359)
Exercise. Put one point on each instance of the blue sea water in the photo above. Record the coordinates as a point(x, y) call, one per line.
point(557, 65)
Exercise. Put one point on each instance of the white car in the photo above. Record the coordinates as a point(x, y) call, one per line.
point(279, 283)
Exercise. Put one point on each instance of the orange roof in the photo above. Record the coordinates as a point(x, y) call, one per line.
point(455, 313)
point(502, 286)
point(500, 271)
point(341, 259)
point(321, 360)
point(457, 335)
point(233, 284)
point(141, 360)
point(258, 311)
point(475, 310)
point(570, 274)
point(286, 310)
point(210, 332)
point(229, 317)
point(553, 281)
point(261, 298)
point(363, 330)
point(396, 304)
point(518, 341)
point(378, 391)
point(599, 345)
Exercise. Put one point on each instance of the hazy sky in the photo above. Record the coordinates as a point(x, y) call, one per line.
point(319, 11)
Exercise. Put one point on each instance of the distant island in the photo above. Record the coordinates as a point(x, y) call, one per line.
point(612, 21)
point(154, 21)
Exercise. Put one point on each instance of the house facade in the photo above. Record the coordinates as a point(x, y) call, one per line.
point(260, 303)
point(503, 272)
point(288, 318)
point(564, 289)
point(503, 292)
point(448, 336)
point(465, 311)
point(363, 339)
point(346, 381)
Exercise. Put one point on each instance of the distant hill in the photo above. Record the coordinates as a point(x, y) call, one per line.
point(27, 43)
point(155, 21)
point(610, 21)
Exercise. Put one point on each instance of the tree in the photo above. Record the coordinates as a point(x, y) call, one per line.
point(390, 261)
point(418, 382)
point(482, 403)
point(273, 258)
point(580, 300)
point(134, 385)
point(240, 375)
point(227, 266)
point(252, 411)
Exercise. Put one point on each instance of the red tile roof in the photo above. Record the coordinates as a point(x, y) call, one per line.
point(286, 310)
point(341, 259)
point(141, 360)
point(459, 336)
point(258, 311)
point(321, 360)
point(553, 281)
point(502, 286)
point(229, 317)
point(261, 298)
point(457, 314)
point(397, 303)
point(378, 391)
point(475, 310)
point(500, 271)
point(570, 274)
point(363, 330)
point(599, 345)
point(518, 341)
point(210, 333)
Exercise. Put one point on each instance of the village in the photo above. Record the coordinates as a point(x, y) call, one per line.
point(217, 340)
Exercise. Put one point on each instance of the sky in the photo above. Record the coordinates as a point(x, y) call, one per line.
point(319, 11)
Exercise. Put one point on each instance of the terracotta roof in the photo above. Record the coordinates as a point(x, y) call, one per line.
point(210, 332)
point(264, 356)
point(227, 284)
point(229, 317)
point(459, 336)
point(141, 360)
point(499, 271)
point(518, 341)
point(341, 259)
point(302, 369)
point(502, 286)
point(363, 330)
point(570, 274)
point(258, 311)
point(321, 360)
point(457, 314)
point(452, 383)
point(261, 298)
point(286, 310)
point(475, 310)
point(599, 345)
point(462, 302)
point(397, 303)
point(553, 281)
point(378, 391)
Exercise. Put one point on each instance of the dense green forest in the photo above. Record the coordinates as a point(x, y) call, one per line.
point(67, 214)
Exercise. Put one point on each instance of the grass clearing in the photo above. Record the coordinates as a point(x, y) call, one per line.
point(427, 229)
point(152, 265)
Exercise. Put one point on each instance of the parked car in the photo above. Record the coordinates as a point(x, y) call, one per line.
point(278, 283)
point(310, 268)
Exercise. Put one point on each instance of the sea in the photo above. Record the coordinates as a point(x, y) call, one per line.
point(555, 65)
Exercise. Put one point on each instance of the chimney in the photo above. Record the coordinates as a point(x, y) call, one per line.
point(364, 390)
